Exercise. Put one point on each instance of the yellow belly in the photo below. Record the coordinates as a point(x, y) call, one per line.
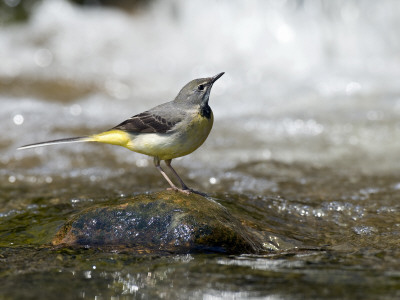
point(181, 141)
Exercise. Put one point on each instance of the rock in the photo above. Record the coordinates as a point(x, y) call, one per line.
point(165, 221)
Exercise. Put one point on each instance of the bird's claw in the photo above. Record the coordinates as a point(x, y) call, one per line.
point(185, 191)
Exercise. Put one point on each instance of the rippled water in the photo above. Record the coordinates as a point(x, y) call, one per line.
point(304, 148)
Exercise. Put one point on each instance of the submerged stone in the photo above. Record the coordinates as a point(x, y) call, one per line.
point(164, 221)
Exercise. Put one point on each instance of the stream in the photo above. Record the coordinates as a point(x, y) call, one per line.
point(304, 149)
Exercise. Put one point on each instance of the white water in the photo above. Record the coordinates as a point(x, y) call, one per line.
point(306, 81)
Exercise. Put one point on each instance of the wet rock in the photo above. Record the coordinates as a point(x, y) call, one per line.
point(165, 221)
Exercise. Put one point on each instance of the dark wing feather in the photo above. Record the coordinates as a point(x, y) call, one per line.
point(147, 122)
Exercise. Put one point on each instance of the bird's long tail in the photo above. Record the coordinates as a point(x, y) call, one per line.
point(57, 142)
point(114, 137)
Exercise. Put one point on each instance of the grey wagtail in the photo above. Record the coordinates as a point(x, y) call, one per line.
point(167, 131)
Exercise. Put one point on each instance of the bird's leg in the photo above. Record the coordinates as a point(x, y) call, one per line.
point(185, 189)
point(157, 164)
point(184, 186)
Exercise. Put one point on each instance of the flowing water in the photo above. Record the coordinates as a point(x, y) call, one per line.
point(304, 148)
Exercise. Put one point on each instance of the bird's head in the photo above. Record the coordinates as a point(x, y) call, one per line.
point(197, 91)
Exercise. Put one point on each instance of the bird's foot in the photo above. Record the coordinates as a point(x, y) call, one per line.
point(185, 191)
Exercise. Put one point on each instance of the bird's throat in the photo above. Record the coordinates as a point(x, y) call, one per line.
point(205, 110)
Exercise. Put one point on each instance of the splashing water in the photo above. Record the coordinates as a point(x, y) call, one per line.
point(304, 149)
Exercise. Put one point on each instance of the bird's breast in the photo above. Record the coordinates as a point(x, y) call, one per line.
point(186, 137)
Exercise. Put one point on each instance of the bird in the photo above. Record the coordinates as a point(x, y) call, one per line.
point(164, 132)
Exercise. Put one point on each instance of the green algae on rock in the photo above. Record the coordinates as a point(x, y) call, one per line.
point(164, 221)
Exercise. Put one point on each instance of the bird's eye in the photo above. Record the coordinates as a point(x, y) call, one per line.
point(200, 87)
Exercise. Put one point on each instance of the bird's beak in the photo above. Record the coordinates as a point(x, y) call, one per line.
point(216, 77)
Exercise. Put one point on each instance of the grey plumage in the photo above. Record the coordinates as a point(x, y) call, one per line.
point(167, 131)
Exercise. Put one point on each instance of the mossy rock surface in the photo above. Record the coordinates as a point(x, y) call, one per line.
point(164, 221)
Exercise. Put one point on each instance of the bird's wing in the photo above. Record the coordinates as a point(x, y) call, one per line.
point(157, 120)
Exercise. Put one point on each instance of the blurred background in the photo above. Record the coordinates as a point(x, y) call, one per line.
point(313, 81)
point(306, 137)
